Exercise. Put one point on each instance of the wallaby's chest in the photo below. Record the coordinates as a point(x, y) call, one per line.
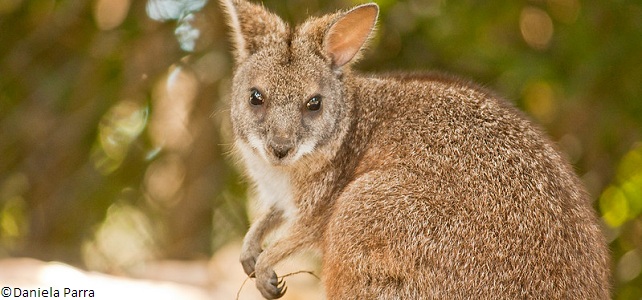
point(273, 185)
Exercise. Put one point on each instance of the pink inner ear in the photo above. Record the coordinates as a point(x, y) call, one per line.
point(346, 37)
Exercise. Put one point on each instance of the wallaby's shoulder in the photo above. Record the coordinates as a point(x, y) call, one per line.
point(435, 82)
point(434, 93)
point(416, 111)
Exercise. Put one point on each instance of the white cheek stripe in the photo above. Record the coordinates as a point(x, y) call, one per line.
point(305, 148)
point(256, 143)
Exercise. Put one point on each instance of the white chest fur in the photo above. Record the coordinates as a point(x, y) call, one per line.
point(272, 183)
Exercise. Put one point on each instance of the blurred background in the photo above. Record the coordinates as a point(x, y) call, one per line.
point(114, 130)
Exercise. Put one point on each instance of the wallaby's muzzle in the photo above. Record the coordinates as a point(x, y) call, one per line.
point(280, 145)
point(280, 150)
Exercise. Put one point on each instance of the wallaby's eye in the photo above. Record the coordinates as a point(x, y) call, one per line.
point(314, 103)
point(255, 97)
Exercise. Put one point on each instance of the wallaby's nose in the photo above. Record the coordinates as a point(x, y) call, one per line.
point(281, 146)
point(280, 151)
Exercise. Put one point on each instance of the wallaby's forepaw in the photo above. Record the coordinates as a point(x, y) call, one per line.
point(269, 284)
point(249, 255)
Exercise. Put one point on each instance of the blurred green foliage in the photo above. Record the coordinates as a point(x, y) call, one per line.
point(114, 140)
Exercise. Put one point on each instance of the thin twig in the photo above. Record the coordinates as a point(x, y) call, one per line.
point(238, 293)
point(299, 272)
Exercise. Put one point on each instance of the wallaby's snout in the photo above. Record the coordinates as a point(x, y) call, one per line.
point(281, 145)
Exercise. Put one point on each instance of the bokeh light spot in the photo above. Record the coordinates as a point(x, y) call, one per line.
point(109, 14)
point(629, 266)
point(117, 130)
point(622, 201)
point(614, 207)
point(539, 100)
point(163, 180)
point(536, 27)
point(173, 101)
point(127, 227)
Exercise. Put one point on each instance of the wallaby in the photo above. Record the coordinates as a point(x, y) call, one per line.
point(411, 186)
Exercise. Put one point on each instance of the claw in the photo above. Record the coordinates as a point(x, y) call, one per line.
point(271, 286)
point(281, 288)
point(282, 292)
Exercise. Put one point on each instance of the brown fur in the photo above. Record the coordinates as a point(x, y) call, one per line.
point(413, 186)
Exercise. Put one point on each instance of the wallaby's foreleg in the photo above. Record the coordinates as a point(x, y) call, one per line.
point(254, 238)
point(266, 280)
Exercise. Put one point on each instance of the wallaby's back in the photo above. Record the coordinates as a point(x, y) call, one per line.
point(457, 192)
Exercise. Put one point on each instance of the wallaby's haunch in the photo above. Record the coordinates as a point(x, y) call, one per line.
point(411, 186)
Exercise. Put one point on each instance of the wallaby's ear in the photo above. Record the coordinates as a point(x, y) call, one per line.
point(347, 34)
point(253, 27)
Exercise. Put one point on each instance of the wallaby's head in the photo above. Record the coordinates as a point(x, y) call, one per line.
point(288, 87)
